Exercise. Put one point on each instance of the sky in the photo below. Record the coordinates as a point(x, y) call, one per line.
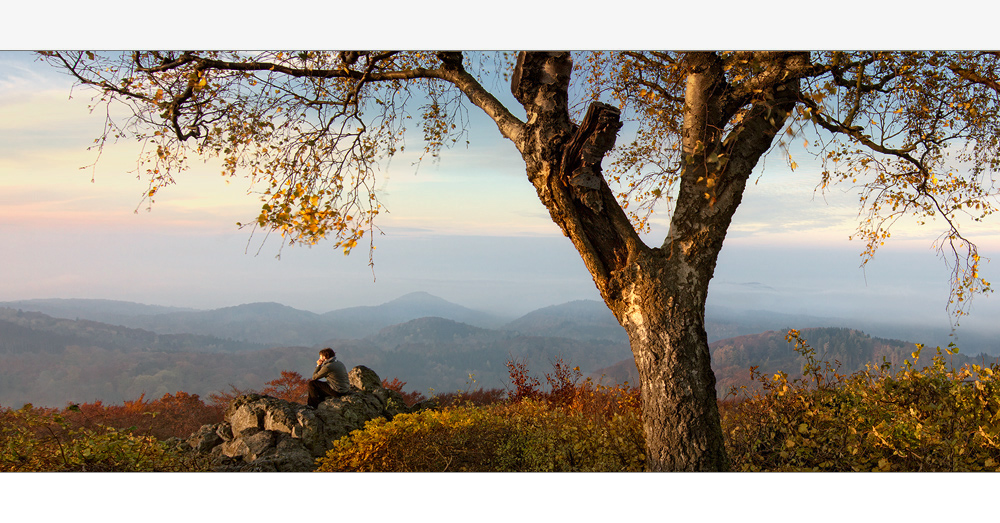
point(467, 228)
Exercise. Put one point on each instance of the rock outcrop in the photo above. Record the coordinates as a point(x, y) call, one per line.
point(262, 433)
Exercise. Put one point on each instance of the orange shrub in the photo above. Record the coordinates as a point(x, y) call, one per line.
point(173, 415)
point(410, 398)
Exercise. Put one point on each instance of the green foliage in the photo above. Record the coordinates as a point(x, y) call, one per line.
point(934, 418)
point(41, 440)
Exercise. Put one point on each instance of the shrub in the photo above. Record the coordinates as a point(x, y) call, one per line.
point(42, 440)
point(572, 427)
point(916, 419)
point(477, 397)
point(531, 435)
point(410, 398)
point(290, 386)
point(174, 415)
point(456, 439)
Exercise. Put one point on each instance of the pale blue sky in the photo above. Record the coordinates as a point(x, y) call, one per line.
point(468, 229)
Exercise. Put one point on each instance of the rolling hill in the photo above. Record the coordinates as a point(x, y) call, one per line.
point(421, 339)
point(267, 323)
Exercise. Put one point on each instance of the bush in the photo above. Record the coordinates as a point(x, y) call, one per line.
point(572, 427)
point(916, 419)
point(410, 398)
point(41, 440)
point(172, 416)
point(291, 386)
point(530, 435)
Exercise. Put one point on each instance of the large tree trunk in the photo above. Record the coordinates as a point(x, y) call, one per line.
point(657, 294)
point(663, 311)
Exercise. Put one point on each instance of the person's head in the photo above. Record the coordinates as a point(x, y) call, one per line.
point(327, 354)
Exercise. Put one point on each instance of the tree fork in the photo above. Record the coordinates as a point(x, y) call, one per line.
point(659, 300)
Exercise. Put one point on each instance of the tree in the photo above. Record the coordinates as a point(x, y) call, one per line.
point(917, 131)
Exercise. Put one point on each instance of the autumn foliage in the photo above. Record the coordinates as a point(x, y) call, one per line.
point(933, 418)
point(104, 438)
point(410, 398)
point(570, 426)
point(174, 415)
point(916, 418)
point(290, 386)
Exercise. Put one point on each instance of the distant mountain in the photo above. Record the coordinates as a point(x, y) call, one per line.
point(579, 320)
point(419, 338)
point(724, 322)
point(24, 332)
point(50, 361)
point(441, 354)
point(433, 330)
point(269, 323)
point(105, 311)
point(357, 322)
point(591, 319)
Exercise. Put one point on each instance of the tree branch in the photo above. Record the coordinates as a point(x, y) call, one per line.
point(452, 71)
point(976, 78)
point(856, 132)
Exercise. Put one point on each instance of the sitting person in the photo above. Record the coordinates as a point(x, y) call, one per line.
point(336, 383)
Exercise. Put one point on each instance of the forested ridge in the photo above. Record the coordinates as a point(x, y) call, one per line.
point(49, 361)
point(53, 361)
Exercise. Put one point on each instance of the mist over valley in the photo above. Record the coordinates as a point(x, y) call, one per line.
point(59, 351)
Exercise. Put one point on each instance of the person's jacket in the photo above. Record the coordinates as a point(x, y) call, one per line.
point(335, 373)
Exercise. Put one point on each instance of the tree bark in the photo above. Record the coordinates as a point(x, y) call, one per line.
point(657, 294)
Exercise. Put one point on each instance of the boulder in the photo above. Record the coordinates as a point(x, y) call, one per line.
point(263, 433)
point(365, 379)
point(206, 438)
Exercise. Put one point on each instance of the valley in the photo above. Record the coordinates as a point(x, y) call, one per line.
point(53, 352)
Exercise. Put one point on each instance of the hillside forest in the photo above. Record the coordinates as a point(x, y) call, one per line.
point(78, 394)
point(431, 344)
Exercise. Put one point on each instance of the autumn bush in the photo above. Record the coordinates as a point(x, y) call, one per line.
point(44, 440)
point(134, 436)
point(479, 397)
point(569, 427)
point(930, 418)
point(175, 415)
point(289, 386)
point(409, 397)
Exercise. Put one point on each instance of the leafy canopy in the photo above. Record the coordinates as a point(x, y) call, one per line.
point(916, 131)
